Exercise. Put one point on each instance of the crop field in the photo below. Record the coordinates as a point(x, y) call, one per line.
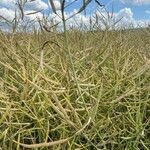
point(75, 90)
point(78, 89)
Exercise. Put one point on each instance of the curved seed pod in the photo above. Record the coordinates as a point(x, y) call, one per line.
point(53, 6)
point(101, 5)
point(34, 12)
point(85, 4)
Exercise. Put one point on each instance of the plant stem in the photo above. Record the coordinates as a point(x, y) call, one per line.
point(71, 59)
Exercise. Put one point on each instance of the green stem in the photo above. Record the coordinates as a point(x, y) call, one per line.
point(70, 58)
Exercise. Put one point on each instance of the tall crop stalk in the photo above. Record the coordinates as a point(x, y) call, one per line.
point(66, 45)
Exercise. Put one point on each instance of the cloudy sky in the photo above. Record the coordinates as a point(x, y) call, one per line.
point(135, 11)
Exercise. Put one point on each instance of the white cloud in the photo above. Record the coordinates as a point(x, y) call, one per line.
point(29, 5)
point(127, 19)
point(136, 2)
point(10, 4)
point(125, 16)
point(142, 23)
point(36, 5)
point(56, 4)
point(31, 15)
point(7, 13)
point(9, 7)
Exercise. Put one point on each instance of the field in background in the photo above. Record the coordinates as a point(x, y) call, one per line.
point(97, 96)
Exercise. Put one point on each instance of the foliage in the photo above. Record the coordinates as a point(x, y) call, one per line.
point(75, 90)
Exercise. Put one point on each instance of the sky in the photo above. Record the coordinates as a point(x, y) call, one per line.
point(136, 12)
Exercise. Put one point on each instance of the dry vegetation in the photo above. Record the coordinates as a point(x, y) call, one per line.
point(97, 96)
point(75, 90)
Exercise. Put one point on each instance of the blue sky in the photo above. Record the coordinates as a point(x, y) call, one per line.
point(139, 7)
point(136, 11)
point(139, 10)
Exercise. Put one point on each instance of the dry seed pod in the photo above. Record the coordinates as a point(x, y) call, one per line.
point(53, 6)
